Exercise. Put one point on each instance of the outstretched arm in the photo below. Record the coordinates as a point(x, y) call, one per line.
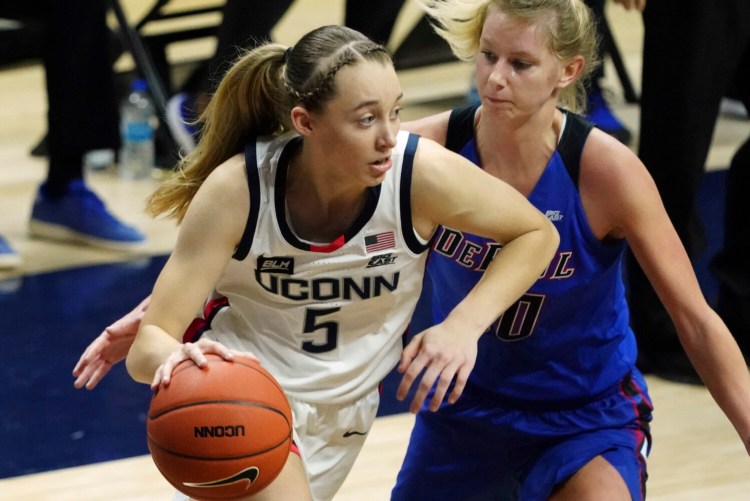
point(621, 199)
point(110, 347)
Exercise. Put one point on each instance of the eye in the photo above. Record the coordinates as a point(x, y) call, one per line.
point(520, 65)
point(489, 56)
point(396, 114)
point(367, 120)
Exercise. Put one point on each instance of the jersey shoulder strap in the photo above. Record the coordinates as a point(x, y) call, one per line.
point(571, 144)
point(253, 184)
point(577, 129)
point(460, 127)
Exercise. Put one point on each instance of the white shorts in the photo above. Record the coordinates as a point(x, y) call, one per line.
point(329, 438)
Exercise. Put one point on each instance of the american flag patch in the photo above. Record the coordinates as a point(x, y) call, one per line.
point(381, 241)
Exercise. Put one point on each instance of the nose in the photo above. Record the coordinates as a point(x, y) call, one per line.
point(387, 136)
point(498, 75)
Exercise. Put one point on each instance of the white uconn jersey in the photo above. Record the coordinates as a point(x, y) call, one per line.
point(325, 320)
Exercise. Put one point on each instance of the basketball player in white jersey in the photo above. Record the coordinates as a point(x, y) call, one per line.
point(310, 213)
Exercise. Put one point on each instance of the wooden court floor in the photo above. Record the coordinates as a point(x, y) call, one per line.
point(696, 454)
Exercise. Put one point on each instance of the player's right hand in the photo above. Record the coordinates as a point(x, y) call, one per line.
point(197, 353)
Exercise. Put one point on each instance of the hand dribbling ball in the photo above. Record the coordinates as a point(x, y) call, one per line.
point(221, 432)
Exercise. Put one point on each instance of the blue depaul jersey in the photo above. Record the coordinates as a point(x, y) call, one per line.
point(568, 338)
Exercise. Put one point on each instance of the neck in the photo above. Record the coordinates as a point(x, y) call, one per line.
point(517, 149)
point(320, 206)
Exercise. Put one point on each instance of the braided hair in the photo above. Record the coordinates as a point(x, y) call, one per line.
point(312, 64)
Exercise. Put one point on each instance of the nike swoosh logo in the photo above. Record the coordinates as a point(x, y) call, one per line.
point(352, 432)
point(249, 474)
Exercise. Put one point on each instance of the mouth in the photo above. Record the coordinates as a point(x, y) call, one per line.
point(496, 100)
point(382, 165)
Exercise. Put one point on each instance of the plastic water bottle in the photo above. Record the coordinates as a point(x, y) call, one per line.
point(137, 124)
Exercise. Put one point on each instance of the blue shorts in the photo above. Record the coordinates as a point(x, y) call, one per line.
point(484, 447)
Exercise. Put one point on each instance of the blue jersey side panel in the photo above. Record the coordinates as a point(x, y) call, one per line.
point(568, 337)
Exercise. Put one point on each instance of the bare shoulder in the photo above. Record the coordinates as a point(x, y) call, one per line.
point(434, 127)
point(224, 191)
point(218, 211)
point(608, 164)
point(229, 172)
point(615, 187)
point(229, 179)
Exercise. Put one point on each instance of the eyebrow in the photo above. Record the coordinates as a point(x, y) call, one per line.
point(521, 54)
point(365, 104)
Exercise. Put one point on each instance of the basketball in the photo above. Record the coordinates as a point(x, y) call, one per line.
point(221, 432)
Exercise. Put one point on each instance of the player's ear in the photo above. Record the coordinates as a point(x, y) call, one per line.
point(571, 71)
point(302, 120)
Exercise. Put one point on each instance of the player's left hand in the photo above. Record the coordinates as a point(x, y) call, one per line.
point(443, 355)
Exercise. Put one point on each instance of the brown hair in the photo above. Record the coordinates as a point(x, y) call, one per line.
point(255, 98)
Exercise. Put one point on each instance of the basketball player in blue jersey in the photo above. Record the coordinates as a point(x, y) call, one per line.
point(555, 408)
point(307, 214)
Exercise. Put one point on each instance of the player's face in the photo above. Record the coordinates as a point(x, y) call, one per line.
point(358, 127)
point(516, 73)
